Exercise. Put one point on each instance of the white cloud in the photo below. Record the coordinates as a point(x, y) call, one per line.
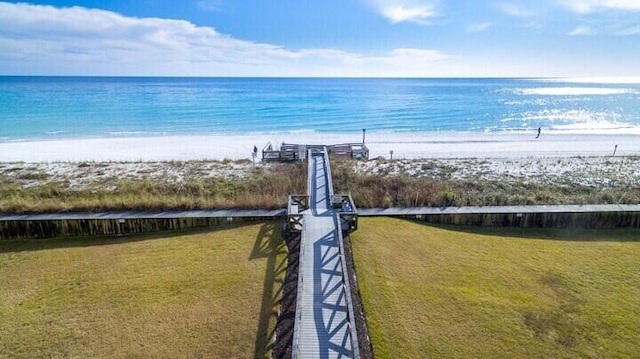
point(613, 17)
point(580, 30)
point(209, 5)
point(585, 6)
point(416, 11)
point(516, 10)
point(478, 27)
point(401, 13)
point(38, 39)
point(414, 56)
point(635, 30)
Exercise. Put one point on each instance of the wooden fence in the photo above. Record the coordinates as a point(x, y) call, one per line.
point(79, 224)
point(86, 227)
point(590, 220)
point(578, 217)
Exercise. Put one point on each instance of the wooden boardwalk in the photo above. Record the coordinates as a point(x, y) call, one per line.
point(567, 208)
point(282, 213)
point(194, 213)
point(324, 325)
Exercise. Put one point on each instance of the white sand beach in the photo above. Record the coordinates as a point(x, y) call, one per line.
point(404, 146)
point(585, 160)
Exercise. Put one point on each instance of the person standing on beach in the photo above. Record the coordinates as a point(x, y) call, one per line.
point(539, 130)
point(254, 154)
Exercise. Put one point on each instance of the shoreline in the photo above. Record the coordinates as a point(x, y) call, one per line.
point(404, 146)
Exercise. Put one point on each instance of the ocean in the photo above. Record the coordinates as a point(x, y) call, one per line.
point(36, 108)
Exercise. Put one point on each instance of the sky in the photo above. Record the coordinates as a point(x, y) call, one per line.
point(332, 38)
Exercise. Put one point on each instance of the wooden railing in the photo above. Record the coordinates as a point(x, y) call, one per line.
point(289, 152)
point(297, 204)
point(345, 214)
point(346, 208)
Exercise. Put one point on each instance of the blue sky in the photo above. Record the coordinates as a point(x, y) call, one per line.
point(405, 38)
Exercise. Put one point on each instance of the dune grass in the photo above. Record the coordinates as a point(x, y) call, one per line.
point(404, 190)
point(204, 294)
point(269, 186)
point(264, 188)
point(447, 292)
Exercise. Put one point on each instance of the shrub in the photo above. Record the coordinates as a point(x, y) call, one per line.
point(448, 198)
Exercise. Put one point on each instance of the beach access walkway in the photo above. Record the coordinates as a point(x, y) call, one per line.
point(324, 325)
point(289, 152)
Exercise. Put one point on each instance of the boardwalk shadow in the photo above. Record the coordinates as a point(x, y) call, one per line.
point(322, 201)
point(551, 234)
point(37, 244)
point(269, 245)
point(330, 303)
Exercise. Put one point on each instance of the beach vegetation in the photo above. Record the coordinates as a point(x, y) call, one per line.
point(448, 198)
point(181, 185)
point(205, 293)
point(444, 189)
point(263, 188)
point(33, 176)
point(12, 169)
point(468, 292)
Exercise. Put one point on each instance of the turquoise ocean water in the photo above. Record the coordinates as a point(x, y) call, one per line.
point(80, 107)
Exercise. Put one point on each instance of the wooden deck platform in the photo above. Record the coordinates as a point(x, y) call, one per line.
point(289, 152)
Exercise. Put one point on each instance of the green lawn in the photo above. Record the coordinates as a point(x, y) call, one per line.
point(204, 294)
point(448, 292)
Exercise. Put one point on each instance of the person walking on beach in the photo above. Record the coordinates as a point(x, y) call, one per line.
point(539, 130)
point(254, 154)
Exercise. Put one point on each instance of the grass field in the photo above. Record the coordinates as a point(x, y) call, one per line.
point(447, 292)
point(203, 294)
